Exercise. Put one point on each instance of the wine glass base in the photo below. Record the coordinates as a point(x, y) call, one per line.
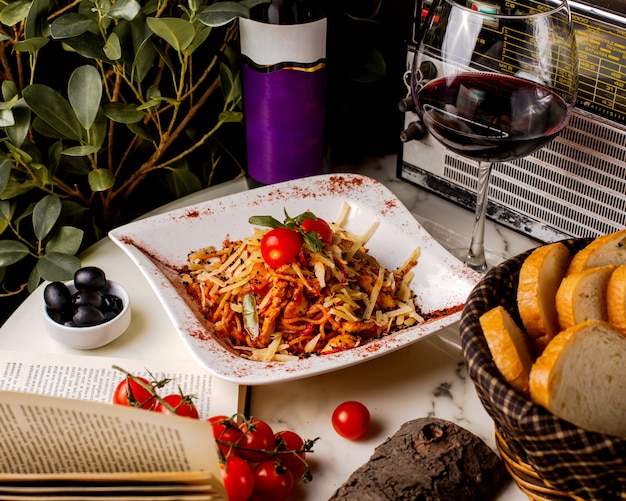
point(492, 259)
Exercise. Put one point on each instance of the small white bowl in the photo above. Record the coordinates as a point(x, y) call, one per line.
point(95, 336)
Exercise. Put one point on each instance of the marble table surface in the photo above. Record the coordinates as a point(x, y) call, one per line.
point(427, 378)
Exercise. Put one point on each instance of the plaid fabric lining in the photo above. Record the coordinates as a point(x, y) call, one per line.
point(591, 466)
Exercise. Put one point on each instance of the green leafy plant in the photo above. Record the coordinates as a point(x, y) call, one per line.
point(109, 108)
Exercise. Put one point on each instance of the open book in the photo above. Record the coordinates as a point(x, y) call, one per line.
point(61, 438)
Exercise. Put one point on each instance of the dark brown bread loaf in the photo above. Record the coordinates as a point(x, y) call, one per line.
point(427, 459)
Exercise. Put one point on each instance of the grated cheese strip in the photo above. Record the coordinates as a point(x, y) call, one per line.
point(374, 295)
point(360, 241)
point(226, 264)
point(343, 215)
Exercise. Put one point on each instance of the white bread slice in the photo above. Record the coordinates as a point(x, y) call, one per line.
point(540, 275)
point(509, 347)
point(580, 377)
point(616, 298)
point(606, 249)
point(582, 296)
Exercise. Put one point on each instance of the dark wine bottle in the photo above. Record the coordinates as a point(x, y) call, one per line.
point(283, 47)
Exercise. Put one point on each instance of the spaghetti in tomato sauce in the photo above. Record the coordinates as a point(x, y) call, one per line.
point(331, 297)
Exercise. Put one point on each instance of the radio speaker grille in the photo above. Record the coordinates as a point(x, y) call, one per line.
point(576, 185)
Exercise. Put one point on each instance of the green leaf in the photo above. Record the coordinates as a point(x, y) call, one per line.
point(53, 109)
point(6, 118)
point(101, 179)
point(45, 215)
point(123, 113)
point(5, 210)
point(5, 173)
point(177, 32)
point(124, 9)
point(230, 85)
point(71, 25)
point(143, 57)
point(221, 13)
point(16, 188)
point(9, 90)
point(231, 116)
point(268, 221)
point(56, 266)
point(250, 316)
point(87, 45)
point(18, 131)
point(84, 91)
point(36, 22)
point(66, 241)
point(198, 39)
point(181, 181)
point(31, 44)
point(370, 67)
point(14, 12)
point(34, 279)
point(80, 151)
point(11, 252)
point(112, 47)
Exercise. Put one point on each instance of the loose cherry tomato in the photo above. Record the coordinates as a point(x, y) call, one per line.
point(226, 430)
point(286, 441)
point(238, 478)
point(280, 246)
point(320, 227)
point(258, 437)
point(272, 482)
point(351, 419)
point(131, 393)
point(182, 404)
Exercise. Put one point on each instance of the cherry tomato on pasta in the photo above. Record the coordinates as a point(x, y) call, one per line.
point(280, 246)
point(351, 419)
point(272, 482)
point(182, 404)
point(131, 393)
point(238, 478)
point(320, 227)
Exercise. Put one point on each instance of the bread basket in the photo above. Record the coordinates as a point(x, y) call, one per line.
point(548, 457)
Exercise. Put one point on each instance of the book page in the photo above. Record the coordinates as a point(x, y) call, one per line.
point(93, 378)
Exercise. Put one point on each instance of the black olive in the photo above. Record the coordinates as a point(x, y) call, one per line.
point(111, 302)
point(90, 277)
point(87, 315)
point(85, 297)
point(57, 296)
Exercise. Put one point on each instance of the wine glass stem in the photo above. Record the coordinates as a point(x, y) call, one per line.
point(476, 254)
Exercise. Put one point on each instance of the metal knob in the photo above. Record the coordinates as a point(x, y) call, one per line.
point(414, 131)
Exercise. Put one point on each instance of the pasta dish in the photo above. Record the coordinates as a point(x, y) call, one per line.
point(330, 296)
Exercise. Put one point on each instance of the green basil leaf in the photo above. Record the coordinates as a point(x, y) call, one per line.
point(268, 221)
point(250, 316)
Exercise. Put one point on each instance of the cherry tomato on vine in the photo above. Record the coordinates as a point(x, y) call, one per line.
point(286, 441)
point(271, 481)
point(280, 246)
point(257, 437)
point(238, 478)
point(131, 393)
point(351, 419)
point(226, 430)
point(182, 404)
point(320, 227)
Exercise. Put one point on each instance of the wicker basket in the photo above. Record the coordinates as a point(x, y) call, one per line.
point(549, 458)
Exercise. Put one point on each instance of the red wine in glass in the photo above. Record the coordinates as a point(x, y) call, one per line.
point(491, 117)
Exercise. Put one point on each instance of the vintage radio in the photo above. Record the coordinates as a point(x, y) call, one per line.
point(576, 185)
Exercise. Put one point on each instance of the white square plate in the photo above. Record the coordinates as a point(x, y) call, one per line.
point(159, 245)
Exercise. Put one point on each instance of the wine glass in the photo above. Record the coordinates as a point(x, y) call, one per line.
point(494, 81)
